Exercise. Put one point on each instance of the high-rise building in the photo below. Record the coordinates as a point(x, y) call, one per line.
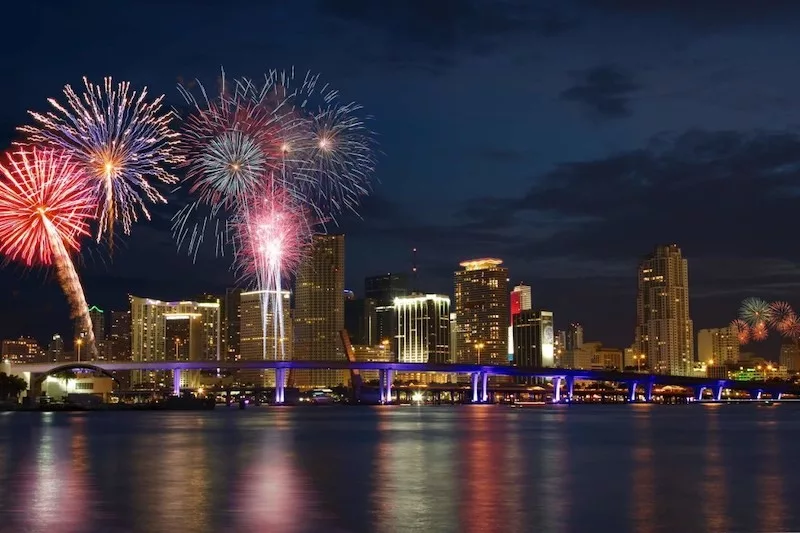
point(21, 350)
point(356, 321)
point(663, 327)
point(453, 338)
point(231, 324)
point(423, 328)
point(319, 311)
point(98, 319)
point(120, 335)
point(149, 319)
point(573, 338)
point(521, 299)
point(261, 338)
point(790, 356)
point(482, 314)
point(55, 349)
point(534, 339)
point(384, 289)
point(719, 345)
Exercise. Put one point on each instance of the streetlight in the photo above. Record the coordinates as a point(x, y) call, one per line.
point(478, 348)
point(78, 343)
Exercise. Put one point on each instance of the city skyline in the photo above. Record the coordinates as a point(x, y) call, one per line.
point(608, 151)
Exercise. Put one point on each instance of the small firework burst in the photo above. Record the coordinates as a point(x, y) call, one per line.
point(742, 331)
point(755, 311)
point(779, 312)
point(760, 331)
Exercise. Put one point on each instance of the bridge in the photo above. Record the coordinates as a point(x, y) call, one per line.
point(479, 375)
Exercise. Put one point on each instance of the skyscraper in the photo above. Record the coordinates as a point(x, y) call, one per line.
point(482, 311)
point(381, 291)
point(521, 299)
point(149, 332)
point(120, 335)
point(98, 326)
point(534, 339)
point(319, 311)
point(258, 342)
point(719, 345)
point(385, 288)
point(573, 338)
point(423, 328)
point(664, 332)
point(231, 324)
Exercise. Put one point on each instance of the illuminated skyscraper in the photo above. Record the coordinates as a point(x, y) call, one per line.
point(573, 338)
point(319, 311)
point(720, 345)
point(534, 339)
point(664, 331)
point(231, 324)
point(98, 326)
point(482, 312)
point(21, 350)
point(521, 299)
point(423, 328)
point(254, 344)
point(149, 332)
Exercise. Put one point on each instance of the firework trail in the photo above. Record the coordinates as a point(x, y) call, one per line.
point(119, 139)
point(44, 210)
point(755, 311)
point(272, 233)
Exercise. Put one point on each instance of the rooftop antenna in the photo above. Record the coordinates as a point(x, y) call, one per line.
point(414, 270)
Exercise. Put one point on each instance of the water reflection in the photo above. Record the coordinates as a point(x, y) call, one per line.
point(554, 468)
point(643, 475)
point(270, 493)
point(770, 482)
point(714, 482)
point(57, 482)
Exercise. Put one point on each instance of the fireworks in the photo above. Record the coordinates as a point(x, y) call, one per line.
point(119, 140)
point(44, 210)
point(760, 331)
point(260, 160)
point(755, 311)
point(779, 313)
point(742, 331)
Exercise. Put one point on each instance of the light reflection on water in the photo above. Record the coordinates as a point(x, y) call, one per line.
point(470, 468)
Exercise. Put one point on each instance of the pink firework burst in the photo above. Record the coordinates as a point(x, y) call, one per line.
point(272, 233)
point(742, 331)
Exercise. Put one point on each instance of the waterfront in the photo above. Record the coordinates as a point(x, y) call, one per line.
point(463, 468)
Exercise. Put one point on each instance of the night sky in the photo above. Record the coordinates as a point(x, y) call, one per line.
point(567, 138)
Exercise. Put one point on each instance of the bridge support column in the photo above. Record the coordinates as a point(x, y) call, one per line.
point(778, 396)
point(382, 385)
point(280, 385)
point(632, 391)
point(570, 387)
point(557, 389)
point(698, 392)
point(389, 379)
point(474, 376)
point(649, 394)
point(176, 382)
point(756, 395)
point(718, 391)
point(484, 387)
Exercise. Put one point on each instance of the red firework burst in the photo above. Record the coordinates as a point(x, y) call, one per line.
point(742, 331)
point(272, 233)
point(790, 327)
point(760, 331)
point(779, 313)
point(44, 203)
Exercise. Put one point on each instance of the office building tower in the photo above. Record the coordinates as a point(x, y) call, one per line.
point(790, 355)
point(98, 326)
point(482, 312)
point(573, 337)
point(355, 321)
point(384, 289)
point(521, 299)
point(55, 349)
point(534, 339)
point(231, 324)
point(718, 346)
point(21, 350)
point(423, 326)
point(664, 331)
point(319, 311)
point(149, 318)
point(261, 337)
point(453, 338)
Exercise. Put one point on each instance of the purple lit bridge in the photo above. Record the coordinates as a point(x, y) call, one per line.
point(479, 375)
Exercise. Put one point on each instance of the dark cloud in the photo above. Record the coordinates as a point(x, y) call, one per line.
point(605, 91)
point(707, 13)
point(431, 34)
